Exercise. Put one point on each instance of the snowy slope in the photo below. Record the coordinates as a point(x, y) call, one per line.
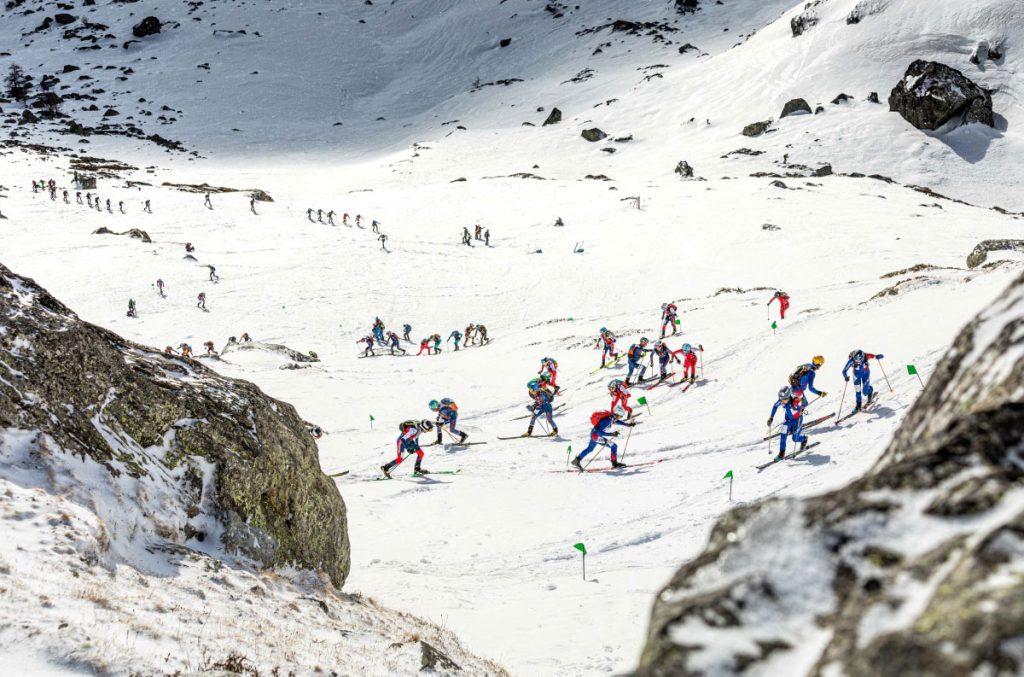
point(488, 554)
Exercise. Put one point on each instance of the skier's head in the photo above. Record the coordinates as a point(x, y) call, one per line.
point(644, 341)
point(664, 306)
point(425, 426)
point(817, 361)
point(604, 330)
point(858, 356)
point(785, 394)
point(614, 384)
point(619, 411)
point(434, 405)
point(687, 348)
point(659, 344)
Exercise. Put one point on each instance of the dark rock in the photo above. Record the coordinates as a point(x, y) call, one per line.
point(505, 42)
point(824, 170)
point(795, 107)
point(209, 454)
point(64, 19)
point(554, 117)
point(980, 253)
point(110, 113)
point(623, 139)
point(819, 110)
point(435, 661)
point(684, 170)
point(806, 19)
point(770, 226)
point(779, 184)
point(148, 26)
point(873, 97)
point(687, 6)
point(931, 94)
point(842, 98)
point(28, 117)
point(593, 134)
point(920, 538)
point(609, 150)
point(757, 128)
point(70, 68)
point(688, 48)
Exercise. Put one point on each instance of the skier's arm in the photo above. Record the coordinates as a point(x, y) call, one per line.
point(869, 356)
point(849, 363)
point(810, 386)
point(775, 409)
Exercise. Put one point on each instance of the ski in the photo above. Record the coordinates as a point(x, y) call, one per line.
point(660, 381)
point(787, 457)
point(339, 474)
point(418, 474)
point(625, 466)
point(462, 444)
point(609, 365)
point(805, 426)
point(529, 437)
point(554, 410)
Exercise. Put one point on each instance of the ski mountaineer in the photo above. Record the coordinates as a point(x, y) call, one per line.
point(393, 343)
point(424, 345)
point(437, 343)
point(601, 422)
point(209, 348)
point(309, 214)
point(344, 219)
point(131, 308)
point(802, 380)
point(447, 414)
point(407, 328)
point(668, 317)
point(689, 361)
point(550, 367)
point(330, 217)
point(793, 408)
point(861, 374)
point(457, 335)
point(542, 398)
point(481, 332)
point(620, 396)
point(606, 341)
point(201, 300)
point(636, 353)
point(378, 330)
point(409, 441)
point(186, 350)
point(470, 334)
point(664, 356)
point(368, 340)
point(783, 298)
point(160, 287)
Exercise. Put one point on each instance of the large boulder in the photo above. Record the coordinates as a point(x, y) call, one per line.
point(554, 117)
point(931, 94)
point(906, 571)
point(148, 26)
point(171, 455)
point(795, 107)
point(593, 134)
point(757, 128)
point(684, 170)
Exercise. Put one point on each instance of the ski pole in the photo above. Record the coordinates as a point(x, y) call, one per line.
point(886, 376)
point(841, 399)
point(587, 464)
point(626, 445)
point(701, 360)
point(769, 439)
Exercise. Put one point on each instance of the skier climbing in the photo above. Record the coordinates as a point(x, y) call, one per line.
point(668, 318)
point(634, 356)
point(424, 345)
point(550, 367)
point(209, 348)
point(213, 273)
point(359, 220)
point(201, 300)
point(186, 350)
point(309, 214)
point(368, 340)
point(393, 343)
point(245, 337)
point(802, 380)
point(606, 341)
point(601, 422)
point(407, 329)
point(378, 330)
point(470, 334)
point(330, 217)
point(542, 398)
point(320, 216)
point(376, 226)
point(436, 338)
point(131, 308)
point(689, 361)
point(344, 219)
point(481, 333)
point(252, 205)
point(457, 335)
point(160, 287)
point(189, 248)
point(206, 202)
point(620, 396)
point(147, 208)
point(793, 408)
point(409, 442)
point(861, 374)
point(447, 414)
point(783, 298)
point(664, 356)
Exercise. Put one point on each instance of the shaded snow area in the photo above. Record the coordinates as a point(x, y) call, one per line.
point(413, 114)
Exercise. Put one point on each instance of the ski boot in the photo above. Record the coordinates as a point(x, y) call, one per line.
point(803, 445)
point(858, 407)
point(462, 440)
point(553, 433)
point(438, 436)
point(780, 456)
point(420, 471)
point(693, 379)
point(386, 469)
point(616, 464)
point(871, 397)
point(576, 464)
point(528, 433)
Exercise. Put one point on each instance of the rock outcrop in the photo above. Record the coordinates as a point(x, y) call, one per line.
point(170, 454)
point(148, 26)
point(981, 250)
point(684, 170)
point(554, 117)
point(906, 571)
point(757, 128)
point(593, 134)
point(931, 95)
point(795, 107)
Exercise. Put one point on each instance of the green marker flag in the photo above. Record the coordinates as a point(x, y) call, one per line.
point(775, 325)
point(728, 476)
point(582, 548)
point(643, 401)
point(372, 419)
point(911, 370)
point(678, 321)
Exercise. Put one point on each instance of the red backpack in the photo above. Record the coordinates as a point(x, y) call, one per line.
point(599, 416)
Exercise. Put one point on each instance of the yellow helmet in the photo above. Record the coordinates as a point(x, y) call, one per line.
point(818, 361)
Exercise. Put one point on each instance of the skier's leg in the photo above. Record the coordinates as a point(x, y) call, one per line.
point(858, 387)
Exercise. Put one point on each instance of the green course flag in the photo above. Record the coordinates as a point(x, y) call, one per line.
point(775, 325)
point(372, 419)
point(679, 321)
point(641, 400)
point(911, 369)
point(582, 548)
point(728, 475)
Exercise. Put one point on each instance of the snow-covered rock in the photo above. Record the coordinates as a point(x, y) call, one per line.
point(932, 94)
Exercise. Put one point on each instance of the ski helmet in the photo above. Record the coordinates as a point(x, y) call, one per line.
point(687, 348)
point(434, 405)
point(644, 341)
point(614, 383)
point(619, 411)
point(664, 306)
point(818, 361)
point(785, 393)
point(545, 377)
point(604, 329)
point(533, 384)
point(858, 356)
point(658, 344)
point(425, 426)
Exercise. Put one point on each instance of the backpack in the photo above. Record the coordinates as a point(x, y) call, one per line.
point(405, 425)
point(797, 376)
point(636, 352)
point(599, 416)
point(447, 402)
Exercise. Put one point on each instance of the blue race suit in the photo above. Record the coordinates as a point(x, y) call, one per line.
point(599, 437)
point(793, 426)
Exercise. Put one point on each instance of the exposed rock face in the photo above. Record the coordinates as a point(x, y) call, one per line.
point(807, 18)
point(554, 117)
point(684, 170)
point(593, 134)
point(757, 128)
point(148, 26)
point(169, 453)
point(687, 6)
point(795, 107)
point(135, 233)
point(932, 94)
point(981, 250)
point(905, 571)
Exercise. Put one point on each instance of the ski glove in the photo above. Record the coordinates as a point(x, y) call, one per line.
point(823, 394)
point(878, 357)
point(847, 378)
point(769, 423)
